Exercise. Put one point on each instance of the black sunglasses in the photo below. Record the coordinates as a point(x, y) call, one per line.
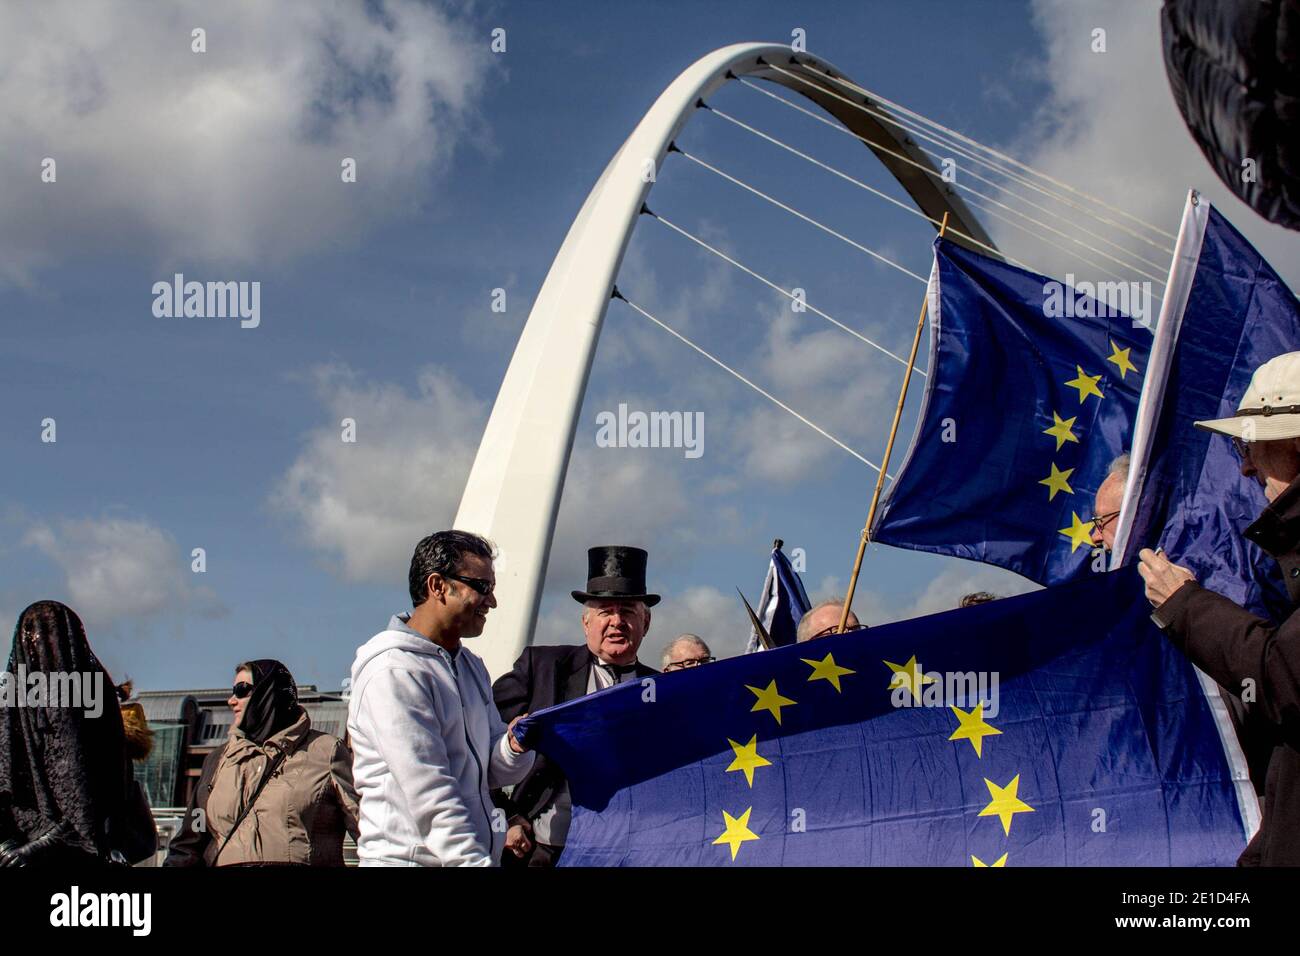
point(481, 585)
point(241, 690)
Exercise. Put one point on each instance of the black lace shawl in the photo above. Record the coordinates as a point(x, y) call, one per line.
point(59, 764)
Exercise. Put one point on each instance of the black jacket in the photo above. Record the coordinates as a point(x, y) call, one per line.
point(542, 677)
point(1240, 651)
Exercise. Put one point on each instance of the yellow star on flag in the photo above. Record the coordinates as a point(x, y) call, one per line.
point(1079, 532)
point(1086, 384)
point(977, 862)
point(1060, 430)
point(1057, 481)
point(1121, 360)
point(737, 831)
point(827, 669)
point(770, 700)
point(909, 675)
point(973, 727)
point(1005, 804)
point(747, 758)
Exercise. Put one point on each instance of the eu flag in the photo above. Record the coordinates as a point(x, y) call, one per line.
point(1052, 728)
point(1227, 313)
point(783, 604)
point(1031, 393)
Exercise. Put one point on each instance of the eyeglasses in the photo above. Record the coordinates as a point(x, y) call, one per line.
point(1099, 522)
point(1241, 447)
point(241, 690)
point(835, 629)
point(690, 662)
point(481, 585)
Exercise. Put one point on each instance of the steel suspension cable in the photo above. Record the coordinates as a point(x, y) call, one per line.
point(731, 371)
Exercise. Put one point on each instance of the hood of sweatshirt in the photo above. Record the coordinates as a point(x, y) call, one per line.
point(395, 638)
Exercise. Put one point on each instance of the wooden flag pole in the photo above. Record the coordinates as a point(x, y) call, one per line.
point(889, 449)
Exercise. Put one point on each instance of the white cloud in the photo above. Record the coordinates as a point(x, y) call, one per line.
point(947, 589)
point(364, 505)
point(943, 593)
point(816, 369)
point(1109, 126)
point(819, 372)
point(118, 569)
point(233, 154)
point(713, 615)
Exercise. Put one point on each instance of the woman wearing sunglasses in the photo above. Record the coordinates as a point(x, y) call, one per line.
point(277, 793)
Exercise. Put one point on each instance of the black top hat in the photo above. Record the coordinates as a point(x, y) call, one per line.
point(615, 571)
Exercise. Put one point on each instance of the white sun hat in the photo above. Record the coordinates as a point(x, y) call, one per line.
point(1270, 409)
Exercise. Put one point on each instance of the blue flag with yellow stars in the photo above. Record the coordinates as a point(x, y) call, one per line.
point(1057, 728)
point(1229, 313)
point(782, 604)
point(1031, 393)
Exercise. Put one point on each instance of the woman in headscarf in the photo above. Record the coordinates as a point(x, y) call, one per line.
point(277, 792)
point(67, 793)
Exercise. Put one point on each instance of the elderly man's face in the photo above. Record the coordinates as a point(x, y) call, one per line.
point(615, 629)
point(682, 654)
point(1274, 464)
point(823, 621)
point(1105, 511)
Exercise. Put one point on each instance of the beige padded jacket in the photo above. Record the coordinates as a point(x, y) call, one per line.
point(304, 809)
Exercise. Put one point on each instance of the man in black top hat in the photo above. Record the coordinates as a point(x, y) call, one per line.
point(615, 619)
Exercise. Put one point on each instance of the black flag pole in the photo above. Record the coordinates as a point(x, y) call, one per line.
point(761, 631)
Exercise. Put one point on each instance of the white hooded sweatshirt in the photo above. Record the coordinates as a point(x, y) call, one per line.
point(428, 743)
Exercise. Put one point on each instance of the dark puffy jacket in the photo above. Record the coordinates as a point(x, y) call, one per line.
point(1234, 69)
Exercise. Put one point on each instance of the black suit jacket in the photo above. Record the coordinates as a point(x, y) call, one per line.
point(542, 677)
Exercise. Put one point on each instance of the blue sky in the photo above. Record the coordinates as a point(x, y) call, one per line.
point(175, 434)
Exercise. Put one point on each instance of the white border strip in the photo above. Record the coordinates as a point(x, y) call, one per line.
point(1247, 799)
point(1178, 287)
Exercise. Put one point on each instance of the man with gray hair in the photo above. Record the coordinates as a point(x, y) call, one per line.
point(823, 620)
point(1106, 505)
point(615, 619)
point(686, 650)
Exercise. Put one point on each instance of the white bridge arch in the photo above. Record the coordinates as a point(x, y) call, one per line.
point(512, 495)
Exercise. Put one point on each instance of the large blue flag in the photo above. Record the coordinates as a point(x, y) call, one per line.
point(783, 602)
point(1226, 313)
point(1031, 393)
point(1052, 728)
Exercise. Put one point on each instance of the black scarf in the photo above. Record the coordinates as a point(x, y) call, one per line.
point(273, 704)
point(57, 764)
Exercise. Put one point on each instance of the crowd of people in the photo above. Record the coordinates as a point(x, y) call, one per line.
point(431, 771)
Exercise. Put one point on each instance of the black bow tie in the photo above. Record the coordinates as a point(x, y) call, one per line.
point(618, 670)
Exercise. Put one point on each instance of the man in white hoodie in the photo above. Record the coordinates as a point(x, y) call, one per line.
point(427, 739)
